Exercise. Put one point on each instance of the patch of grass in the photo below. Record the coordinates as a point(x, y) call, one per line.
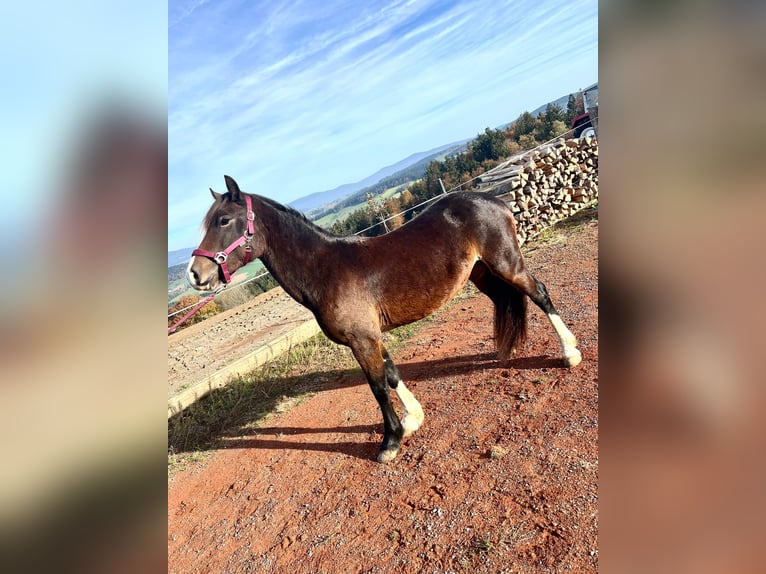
point(393, 339)
point(247, 401)
point(484, 543)
point(548, 236)
point(181, 461)
point(469, 292)
point(559, 231)
point(575, 222)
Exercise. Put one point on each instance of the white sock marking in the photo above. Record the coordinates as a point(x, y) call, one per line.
point(413, 412)
point(572, 356)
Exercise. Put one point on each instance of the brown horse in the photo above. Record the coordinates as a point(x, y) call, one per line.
point(358, 287)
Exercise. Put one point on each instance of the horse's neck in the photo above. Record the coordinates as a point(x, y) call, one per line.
point(294, 250)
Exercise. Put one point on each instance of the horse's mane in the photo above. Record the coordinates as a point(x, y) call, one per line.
point(292, 214)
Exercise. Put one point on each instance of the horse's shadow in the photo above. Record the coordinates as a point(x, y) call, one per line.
point(246, 433)
point(277, 438)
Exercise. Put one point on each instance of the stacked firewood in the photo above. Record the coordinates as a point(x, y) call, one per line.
point(546, 184)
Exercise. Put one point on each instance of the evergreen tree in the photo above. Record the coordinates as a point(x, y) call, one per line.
point(571, 110)
point(489, 145)
point(524, 124)
point(554, 113)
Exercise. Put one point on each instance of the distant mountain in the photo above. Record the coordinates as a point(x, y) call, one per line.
point(404, 176)
point(321, 198)
point(561, 102)
point(179, 256)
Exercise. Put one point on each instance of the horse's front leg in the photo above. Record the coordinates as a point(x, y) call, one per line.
point(413, 415)
point(368, 352)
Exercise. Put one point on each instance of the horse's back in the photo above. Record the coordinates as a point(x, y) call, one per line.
point(463, 218)
point(415, 269)
point(463, 207)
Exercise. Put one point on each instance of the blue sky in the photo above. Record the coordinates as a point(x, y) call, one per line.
point(295, 97)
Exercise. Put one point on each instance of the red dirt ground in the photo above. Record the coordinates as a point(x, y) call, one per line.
point(502, 477)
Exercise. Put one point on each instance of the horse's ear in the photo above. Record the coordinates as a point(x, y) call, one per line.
point(233, 188)
point(216, 196)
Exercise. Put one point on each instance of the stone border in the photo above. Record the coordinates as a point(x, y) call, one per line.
point(242, 366)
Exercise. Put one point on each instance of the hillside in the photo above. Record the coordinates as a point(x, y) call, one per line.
point(177, 283)
point(384, 187)
point(323, 198)
point(179, 256)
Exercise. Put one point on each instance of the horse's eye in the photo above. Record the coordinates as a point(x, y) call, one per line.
point(225, 221)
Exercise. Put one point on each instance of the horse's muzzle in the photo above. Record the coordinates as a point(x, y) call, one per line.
point(202, 277)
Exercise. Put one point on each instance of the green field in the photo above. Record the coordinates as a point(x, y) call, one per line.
point(331, 218)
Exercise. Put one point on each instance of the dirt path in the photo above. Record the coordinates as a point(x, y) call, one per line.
point(502, 477)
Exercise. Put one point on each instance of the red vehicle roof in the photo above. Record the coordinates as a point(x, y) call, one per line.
point(577, 119)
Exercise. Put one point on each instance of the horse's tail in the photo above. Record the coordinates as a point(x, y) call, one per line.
point(510, 319)
point(510, 310)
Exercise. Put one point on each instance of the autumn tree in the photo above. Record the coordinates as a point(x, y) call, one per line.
point(528, 141)
point(208, 310)
point(395, 208)
point(378, 215)
point(557, 128)
point(406, 199)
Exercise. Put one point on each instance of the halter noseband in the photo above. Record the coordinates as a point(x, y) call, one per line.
point(221, 256)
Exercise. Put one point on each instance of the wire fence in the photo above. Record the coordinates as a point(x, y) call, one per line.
point(390, 217)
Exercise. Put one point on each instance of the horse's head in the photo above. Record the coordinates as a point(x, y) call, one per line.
point(231, 239)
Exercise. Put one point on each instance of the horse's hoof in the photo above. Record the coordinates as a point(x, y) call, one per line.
point(385, 456)
point(572, 358)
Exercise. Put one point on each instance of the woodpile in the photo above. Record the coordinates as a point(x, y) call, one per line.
point(546, 184)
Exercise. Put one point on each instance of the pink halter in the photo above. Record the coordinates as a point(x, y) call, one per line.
point(221, 256)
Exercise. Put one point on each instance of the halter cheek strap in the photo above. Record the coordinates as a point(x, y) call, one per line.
point(221, 256)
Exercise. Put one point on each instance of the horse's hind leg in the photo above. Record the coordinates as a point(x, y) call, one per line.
point(489, 276)
point(535, 289)
point(510, 309)
point(413, 412)
point(368, 352)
